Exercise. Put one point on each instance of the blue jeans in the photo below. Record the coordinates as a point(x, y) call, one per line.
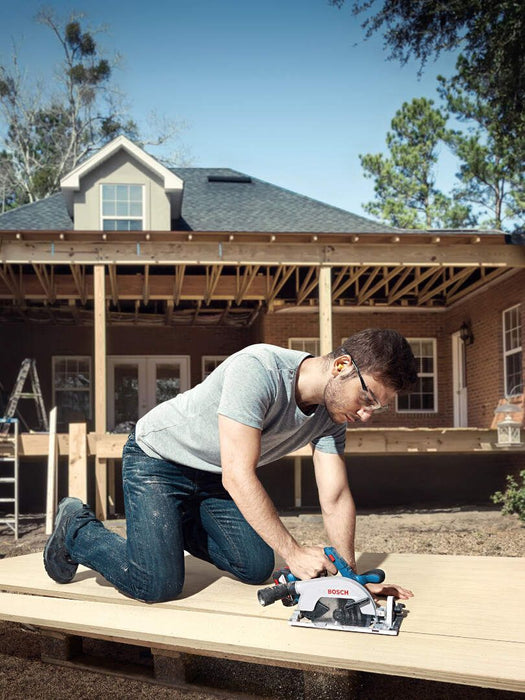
point(169, 508)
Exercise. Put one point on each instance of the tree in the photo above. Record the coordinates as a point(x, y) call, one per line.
point(490, 35)
point(491, 169)
point(47, 135)
point(406, 193)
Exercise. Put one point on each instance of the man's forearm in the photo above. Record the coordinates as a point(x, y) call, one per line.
point(340, 521)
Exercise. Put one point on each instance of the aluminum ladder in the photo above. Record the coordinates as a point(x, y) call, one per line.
point(9, 471)
point(27, 369)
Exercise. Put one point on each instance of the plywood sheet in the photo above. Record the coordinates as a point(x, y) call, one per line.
point(462, 625)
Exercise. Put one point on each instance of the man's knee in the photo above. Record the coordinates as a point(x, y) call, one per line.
point(257, 568)
point(156, 590)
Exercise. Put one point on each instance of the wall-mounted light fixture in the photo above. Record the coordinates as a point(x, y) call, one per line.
point(465, 333)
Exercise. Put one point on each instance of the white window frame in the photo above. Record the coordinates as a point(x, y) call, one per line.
point(217, 359)
point(506, 331)
point(299, 344)
point(425, 374)
point(104, 217)
point(77, 358)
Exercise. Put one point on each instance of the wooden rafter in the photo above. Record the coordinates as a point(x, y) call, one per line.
point(255, 313)
point(485, 277)
point(250, 273)
point(355, 274)
point(226, 311)
point(46, 281)
point(145, 291)
point(113, 283)
point(169, 311)
point(308, 285)
point(78, 272)
point(440, 272)
point(213, 274)
point(374, 271)
point(458, 276)
point(280, 278)
point(10, 281)
point(419, 277)
point(178, 282)
point(383, 282)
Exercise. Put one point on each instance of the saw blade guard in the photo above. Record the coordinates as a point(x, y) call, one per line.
point(333, 587)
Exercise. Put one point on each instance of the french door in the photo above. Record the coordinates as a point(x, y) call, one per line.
point(137, 384)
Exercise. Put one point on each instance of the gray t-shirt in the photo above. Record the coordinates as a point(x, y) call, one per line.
point(256, 387)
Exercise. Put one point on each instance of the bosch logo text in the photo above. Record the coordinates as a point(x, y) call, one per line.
point(337, 591)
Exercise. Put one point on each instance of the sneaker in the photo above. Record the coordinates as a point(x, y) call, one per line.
point(58, 564)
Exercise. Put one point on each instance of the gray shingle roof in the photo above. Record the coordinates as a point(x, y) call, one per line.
point(256, 205)
point(46, 214)
point(222, 204)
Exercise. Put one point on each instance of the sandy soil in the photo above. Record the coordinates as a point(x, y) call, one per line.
point(480, 532)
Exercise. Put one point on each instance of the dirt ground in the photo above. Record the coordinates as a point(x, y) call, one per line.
point(478, 532)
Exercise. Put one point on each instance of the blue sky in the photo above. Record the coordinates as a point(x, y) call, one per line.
point(285, 90)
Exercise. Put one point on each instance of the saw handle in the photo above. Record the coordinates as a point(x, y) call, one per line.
point(372, 576)
point(267, 596)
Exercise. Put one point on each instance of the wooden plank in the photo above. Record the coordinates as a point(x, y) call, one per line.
point(52, 472)
point(451, 634)
point(78, 461)
point(100, 386)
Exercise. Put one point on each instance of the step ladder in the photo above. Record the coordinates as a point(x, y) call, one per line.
point(27, 369)
point(9, 473)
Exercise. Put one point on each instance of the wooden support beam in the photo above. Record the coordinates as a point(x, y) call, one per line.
point(418, 279)
point(8, 278)
point(281, 277)
point(485, 278)
point(383, 282)
point(52, 471)
point(456, 277)
point(325, 310)
point(145, 289)
point(100, 385)
point(78, 461)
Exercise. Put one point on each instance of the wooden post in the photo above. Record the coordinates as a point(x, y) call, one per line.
point(100, 386)
point(52, 471)
point(325, 309)
point(78, 461)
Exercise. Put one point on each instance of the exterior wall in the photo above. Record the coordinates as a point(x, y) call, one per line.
point(121, 169)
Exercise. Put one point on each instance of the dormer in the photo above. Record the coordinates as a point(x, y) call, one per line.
point(122, 188)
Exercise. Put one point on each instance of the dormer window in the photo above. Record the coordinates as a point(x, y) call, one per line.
point(122, 207)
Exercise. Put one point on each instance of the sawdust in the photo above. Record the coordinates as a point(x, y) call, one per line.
point(460, 531)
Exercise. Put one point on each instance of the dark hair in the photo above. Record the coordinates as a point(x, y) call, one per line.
point(383, 353)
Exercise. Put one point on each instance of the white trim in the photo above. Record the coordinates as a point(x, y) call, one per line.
point(513, 351)
point(459, 381)
point(172, 183)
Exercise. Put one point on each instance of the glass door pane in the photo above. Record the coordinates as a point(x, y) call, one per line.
point(126, 397)
point(167, 381)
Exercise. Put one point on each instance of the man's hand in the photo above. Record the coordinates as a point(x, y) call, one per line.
point(309, 562)
point(385, 589)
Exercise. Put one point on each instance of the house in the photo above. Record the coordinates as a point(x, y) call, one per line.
point(134, 281)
